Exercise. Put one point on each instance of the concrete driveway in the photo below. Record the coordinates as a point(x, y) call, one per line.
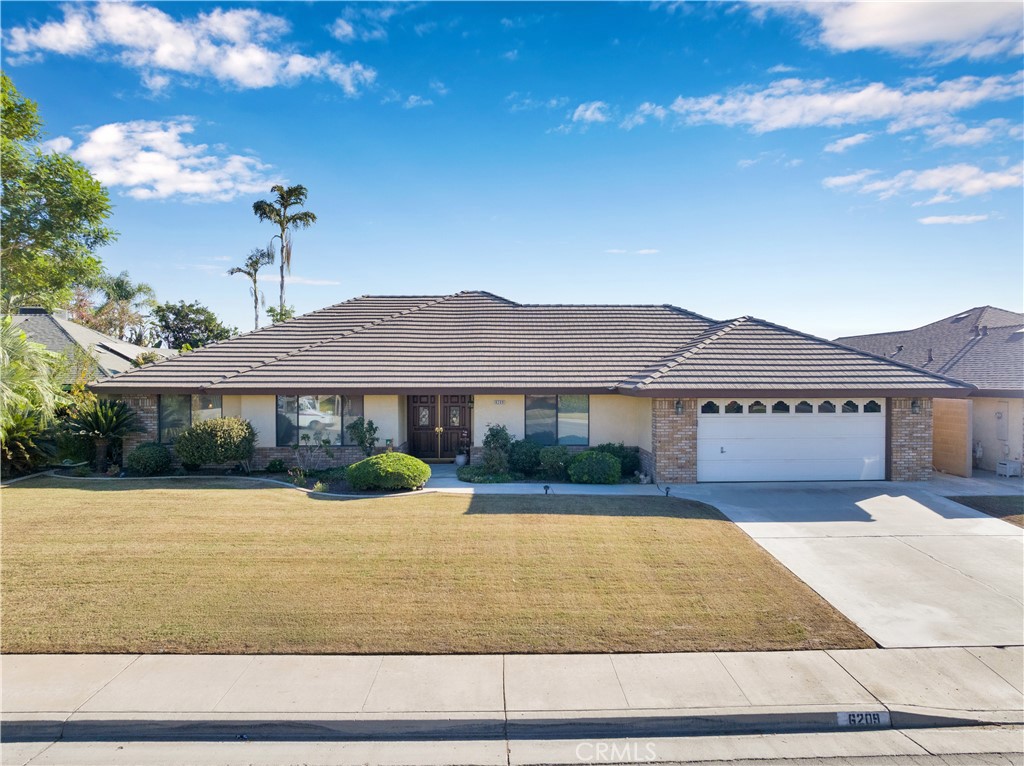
point(909, 567)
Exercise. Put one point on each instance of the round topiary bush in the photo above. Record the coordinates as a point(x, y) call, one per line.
point(553, 462)
point(628, 456)
point(149, 459)
point(593, 467)
point(215, 441)
point(389, 470)
point(524, 457)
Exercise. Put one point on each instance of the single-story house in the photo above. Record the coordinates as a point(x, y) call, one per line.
point(82, 346)
point(982, 346)
point(703, 400)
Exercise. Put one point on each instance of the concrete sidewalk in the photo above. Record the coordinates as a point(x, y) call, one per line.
point(499, 699)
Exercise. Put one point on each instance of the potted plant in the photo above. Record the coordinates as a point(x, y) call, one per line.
point(462, 451)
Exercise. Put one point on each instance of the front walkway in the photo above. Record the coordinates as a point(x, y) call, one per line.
point(499, 709)
point(443, 479)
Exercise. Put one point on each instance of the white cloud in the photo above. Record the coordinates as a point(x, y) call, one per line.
point(292, 279)
point(781, 69)
point(942, 30)
point(343, 31)
point(647, 251)
point(415, 101)
point(945, 183)
point(591, 111)
point(365, 23)
point(241, 47)
point(438, 87)
point(512, 55)
point(525, 102)
point(840, 145)
point(932, 220)
point(838, 182)
point(795, 103)
point(641, 114)
point(150, 160)
point(959, 134)
point(58, 145)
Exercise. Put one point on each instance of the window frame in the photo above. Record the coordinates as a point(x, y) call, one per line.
point(558, 398)
point(343, 400)
point(160, 416)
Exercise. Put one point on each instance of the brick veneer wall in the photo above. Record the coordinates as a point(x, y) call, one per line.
point(910, 439)
point(646, 462)
point(145, 416)
point(674, 441)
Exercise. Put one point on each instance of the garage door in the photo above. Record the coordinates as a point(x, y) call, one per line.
point(790, 439)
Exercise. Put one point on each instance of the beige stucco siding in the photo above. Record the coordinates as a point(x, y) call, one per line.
point(619, 419)
point(951, 436)
point(487, 411)
point(1001, 437)
point(645, 440)
point(261, 411)
point(385, 412)
point(232, 406)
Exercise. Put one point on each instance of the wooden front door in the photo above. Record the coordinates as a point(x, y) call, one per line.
point(438, 424)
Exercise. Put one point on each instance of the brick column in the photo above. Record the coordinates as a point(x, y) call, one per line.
point(674, 440)
point(146, 416)
point(910, 439)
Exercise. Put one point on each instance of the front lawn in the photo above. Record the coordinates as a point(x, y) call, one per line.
point(241, 567)
point(1006, 507)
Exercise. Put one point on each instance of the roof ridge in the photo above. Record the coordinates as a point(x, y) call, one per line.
point(689, 349)
point(858, 351)
point(345, 334)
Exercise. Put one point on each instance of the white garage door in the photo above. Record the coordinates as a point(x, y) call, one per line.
point(790, 439)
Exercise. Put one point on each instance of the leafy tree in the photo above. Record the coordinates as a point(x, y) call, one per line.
point(53, 212)
point(188, 324)
point(277, 213)
point(280, 315)
point(123, 306)
point(256, 260)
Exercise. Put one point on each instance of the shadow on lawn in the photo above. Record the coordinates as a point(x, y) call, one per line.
point(593, 505)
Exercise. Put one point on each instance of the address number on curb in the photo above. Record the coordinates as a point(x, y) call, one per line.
point(860, 720)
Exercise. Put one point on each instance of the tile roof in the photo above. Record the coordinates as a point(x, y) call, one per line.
point(983, 346)
point(112, 356)
point(477, 341)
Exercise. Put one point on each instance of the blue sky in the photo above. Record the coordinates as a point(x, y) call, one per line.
point(838, 168)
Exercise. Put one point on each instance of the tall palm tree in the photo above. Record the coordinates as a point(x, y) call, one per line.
point(123, 305)
point(277, 213)
point(256, 260)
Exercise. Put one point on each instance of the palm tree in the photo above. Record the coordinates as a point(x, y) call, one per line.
point(277, 213)
point(103, 420)
point(124, 302)
point(256, 260)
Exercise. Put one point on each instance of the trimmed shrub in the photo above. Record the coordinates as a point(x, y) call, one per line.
point(477, 475)
point(554, 462)
point(215, 441)
point(277, 465)
point(524, 457)
point(593, 467)
point(628, 456)
point(497, 443)
point(149, 459)
point(389, 470)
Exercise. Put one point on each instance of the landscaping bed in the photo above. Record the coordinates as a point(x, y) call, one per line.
point(231, 566)
point(1006, 507)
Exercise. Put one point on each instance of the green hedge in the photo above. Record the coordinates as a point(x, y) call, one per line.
point(389, 470)
point(216, 441)
point(628, 456)
point(149, 459)
point(524, 457)
point(593, 467)
point(553, 463)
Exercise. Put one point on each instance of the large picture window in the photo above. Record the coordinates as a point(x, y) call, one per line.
point(320, 417)
point(558, 419)
point(176, 412)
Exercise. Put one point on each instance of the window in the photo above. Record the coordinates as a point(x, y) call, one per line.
point(558, 419)
point(850, 406)
point(174, 415)
point(827, 407)
point(320, 417)
point(757, 408)
point(709, 408)
point(803, 408)
point(734, 408)
point(780, 407)
point(872, 406)
point(206, 408)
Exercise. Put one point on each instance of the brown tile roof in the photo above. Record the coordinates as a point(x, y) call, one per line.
point(476, 341)
point(983, 346)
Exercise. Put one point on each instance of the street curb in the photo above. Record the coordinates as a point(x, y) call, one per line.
point(537, 726)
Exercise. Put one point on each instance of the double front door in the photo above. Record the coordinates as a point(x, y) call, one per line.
point(439, 424)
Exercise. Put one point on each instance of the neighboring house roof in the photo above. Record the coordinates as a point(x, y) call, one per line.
point(476, 341)
point(983, 346)
point(112, 356)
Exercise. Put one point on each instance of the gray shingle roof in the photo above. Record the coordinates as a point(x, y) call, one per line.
point(983, 346)
point(476, 341)
point(112, 356)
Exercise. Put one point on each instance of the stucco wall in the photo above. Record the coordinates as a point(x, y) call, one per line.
point(646, 423)
point(619, 419)
point(261, 411)
point(511, 414)
point(231, 406)
point(988, 431)
point(951, 436)
point(384, 412)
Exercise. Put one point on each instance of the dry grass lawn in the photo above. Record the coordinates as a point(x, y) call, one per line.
point(1006, 507)
point(239, 567)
